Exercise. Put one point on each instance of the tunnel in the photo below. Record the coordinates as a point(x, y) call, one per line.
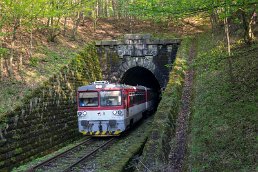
point(140, 76)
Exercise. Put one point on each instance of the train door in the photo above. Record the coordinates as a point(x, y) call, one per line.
point(126, 104)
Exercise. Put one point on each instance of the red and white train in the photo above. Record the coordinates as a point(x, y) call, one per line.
point(106, 109)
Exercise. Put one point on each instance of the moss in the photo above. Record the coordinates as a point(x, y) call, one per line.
point(126, 147)
point(156, 150)
point(34, 115)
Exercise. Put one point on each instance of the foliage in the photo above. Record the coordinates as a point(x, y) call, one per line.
point(31, 13)
point(218, 11)
point(181, 8)
point(157, 148)
point(223, 132)
point(3, 51)
point(11, 92)
point(89, 54)
point(34, 61)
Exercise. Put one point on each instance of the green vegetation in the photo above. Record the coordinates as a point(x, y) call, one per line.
point(11, 94)
point(69, 144)
point(223, 132)
point(51, 61)
point(119, 155)
point(43, 104)
point(43, 65)
point(156, 149)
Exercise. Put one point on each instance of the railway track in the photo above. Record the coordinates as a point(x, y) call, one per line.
point(73, 158)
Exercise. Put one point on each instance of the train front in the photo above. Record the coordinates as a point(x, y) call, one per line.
point(100, 110)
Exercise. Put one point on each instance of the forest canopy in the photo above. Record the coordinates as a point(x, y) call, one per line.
point(51, 17)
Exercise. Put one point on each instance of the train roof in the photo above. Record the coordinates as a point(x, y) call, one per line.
point(106, 85)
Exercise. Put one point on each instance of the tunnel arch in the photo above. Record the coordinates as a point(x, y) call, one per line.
point(140, 76)
point(139, 71)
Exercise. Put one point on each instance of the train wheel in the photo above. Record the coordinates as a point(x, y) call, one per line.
point(145, 115)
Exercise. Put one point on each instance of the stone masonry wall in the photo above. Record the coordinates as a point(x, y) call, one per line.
point(47, 119)
point(155, 155)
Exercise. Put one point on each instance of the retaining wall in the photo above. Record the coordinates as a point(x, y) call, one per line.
point(155, 155)
point(47, 119)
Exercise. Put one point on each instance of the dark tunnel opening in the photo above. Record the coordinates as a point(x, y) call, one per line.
point(140, 76)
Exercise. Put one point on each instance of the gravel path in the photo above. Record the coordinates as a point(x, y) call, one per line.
point(176, 157)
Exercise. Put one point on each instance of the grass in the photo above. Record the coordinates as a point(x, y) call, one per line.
point(42, 65)
point(119, 156)
point(46, 62)
point(50, 155)
point(223, 131)
point(11, 94)
point(156, 150)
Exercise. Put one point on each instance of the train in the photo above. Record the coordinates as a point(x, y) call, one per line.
point(108, 109)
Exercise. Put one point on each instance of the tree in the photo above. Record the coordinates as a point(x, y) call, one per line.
point(218, 10)
point(14, 11)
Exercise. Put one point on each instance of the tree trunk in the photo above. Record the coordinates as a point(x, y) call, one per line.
point(97, 10)
point(250, 32)
point(20, 62)
point(76, 25)
point(65, 22)
point(48, 21)
point(214, 20)
point(1, 68)
point(99, 6)
point(227, 35)
point(1, 56)
point(106, 8)
point(247, 25)
point(95, 23)
point(31, 43)
point(114, 9)
point(230, 68)
point(53, 30)
point(95, 16)
point(251, 23)
point(10, 65)
point(83, 19)
point(119, 10)
point(131, 24)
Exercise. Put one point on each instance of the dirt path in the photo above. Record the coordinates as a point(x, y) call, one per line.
point(178, 153)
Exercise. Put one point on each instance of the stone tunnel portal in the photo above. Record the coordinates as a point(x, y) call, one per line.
point(138, 60)
point(140, 76)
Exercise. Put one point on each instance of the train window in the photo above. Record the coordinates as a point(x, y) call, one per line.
point(110, 98)
point(131, 97)
point(137, 97)
point(87, 99)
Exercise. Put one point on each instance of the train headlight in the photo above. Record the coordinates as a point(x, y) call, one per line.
point(79, 113)
point(84, 113)
point(114, 112)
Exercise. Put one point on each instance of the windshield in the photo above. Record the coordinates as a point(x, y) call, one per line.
point(87, 99)
point(110, 98)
